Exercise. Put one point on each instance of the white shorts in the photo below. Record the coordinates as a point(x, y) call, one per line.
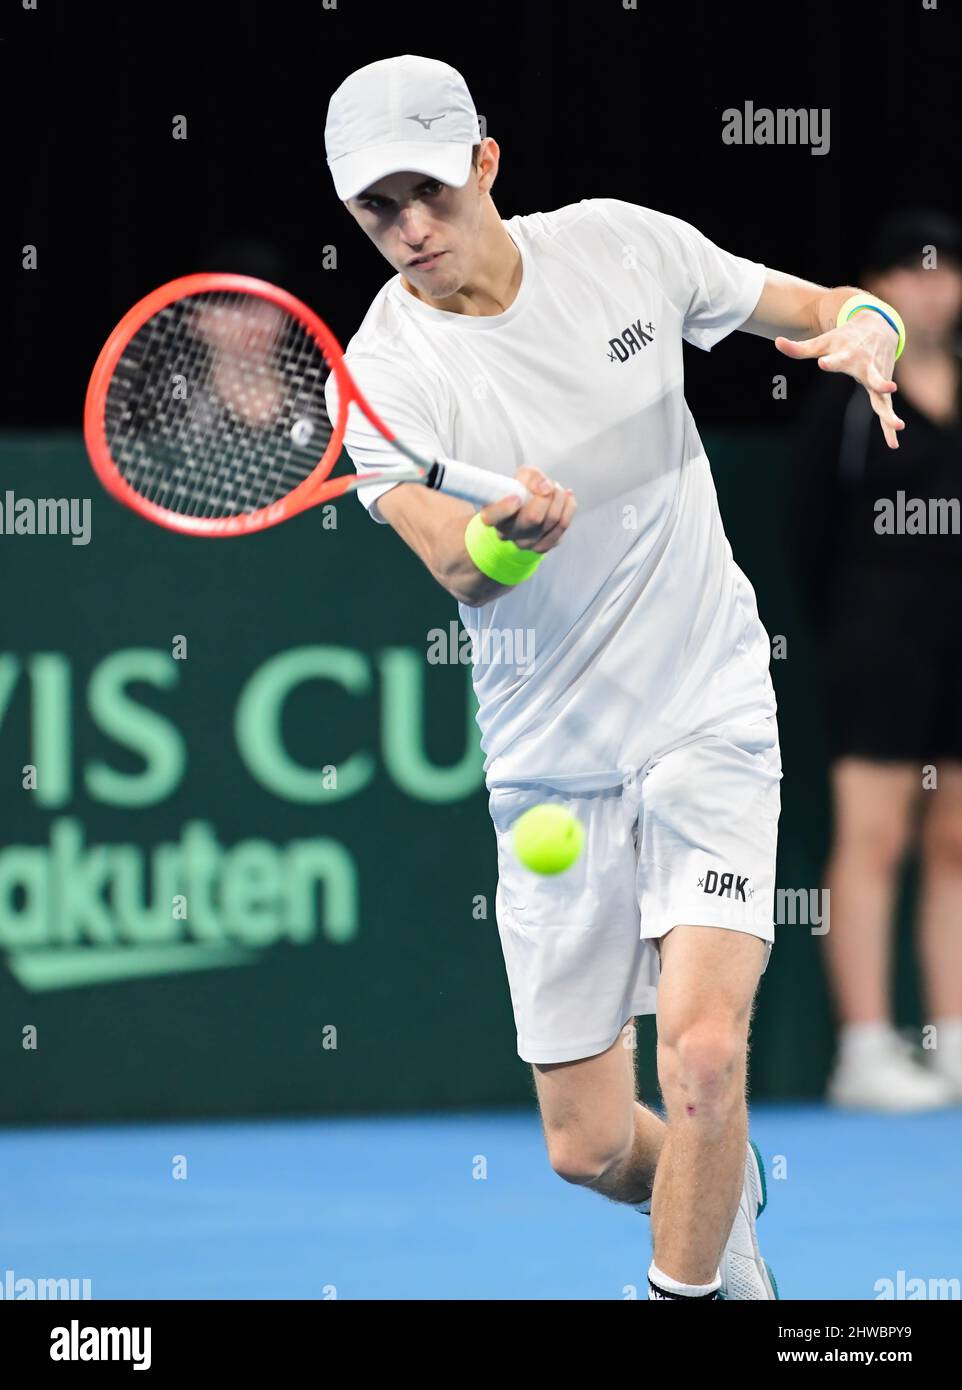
point(688, 838)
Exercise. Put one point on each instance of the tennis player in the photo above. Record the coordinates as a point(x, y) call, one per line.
point(548, 348)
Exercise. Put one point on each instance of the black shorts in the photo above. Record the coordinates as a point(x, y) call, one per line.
point(895, 683)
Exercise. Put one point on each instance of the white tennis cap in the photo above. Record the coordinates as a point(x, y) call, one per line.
point(397, 114)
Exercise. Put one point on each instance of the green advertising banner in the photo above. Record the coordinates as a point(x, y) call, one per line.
point(247, 865)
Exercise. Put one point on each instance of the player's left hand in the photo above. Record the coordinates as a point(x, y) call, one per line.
point(865, 349)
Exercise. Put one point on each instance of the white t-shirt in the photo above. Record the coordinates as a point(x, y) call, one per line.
point(638, 631)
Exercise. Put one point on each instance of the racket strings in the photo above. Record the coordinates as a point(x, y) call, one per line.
point(216, 407)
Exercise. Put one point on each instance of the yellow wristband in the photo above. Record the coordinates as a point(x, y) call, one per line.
point(500, 560)
point(869, 301)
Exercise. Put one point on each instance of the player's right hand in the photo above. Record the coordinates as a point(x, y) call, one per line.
point(538, 524)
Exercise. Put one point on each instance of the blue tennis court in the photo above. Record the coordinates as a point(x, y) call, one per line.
point(460, 1206)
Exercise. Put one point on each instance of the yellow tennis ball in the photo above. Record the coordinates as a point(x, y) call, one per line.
point(548, 839)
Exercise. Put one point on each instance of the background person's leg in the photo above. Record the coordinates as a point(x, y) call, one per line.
point(940, 920)
point(873, 804)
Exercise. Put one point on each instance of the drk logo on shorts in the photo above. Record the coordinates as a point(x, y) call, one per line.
point(631, 340)
point(732, 886)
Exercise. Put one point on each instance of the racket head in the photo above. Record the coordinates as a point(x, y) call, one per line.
point(147, 446)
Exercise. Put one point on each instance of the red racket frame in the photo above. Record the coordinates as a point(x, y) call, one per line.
point(314, 489)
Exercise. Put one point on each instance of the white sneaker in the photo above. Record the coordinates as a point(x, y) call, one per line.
point(948, 1066)
point(744, 1274)
point(887, 1076)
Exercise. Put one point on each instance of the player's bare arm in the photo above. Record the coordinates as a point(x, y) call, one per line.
point(801, 319)
point(434, 525)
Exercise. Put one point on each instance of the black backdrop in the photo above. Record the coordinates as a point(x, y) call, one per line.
point(586, 99)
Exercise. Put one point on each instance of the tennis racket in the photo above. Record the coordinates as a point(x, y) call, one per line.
point(206, 412)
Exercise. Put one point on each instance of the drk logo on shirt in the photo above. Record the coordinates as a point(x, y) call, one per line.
point(726, 885)
point(631, 340)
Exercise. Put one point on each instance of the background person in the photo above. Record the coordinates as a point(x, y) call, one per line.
point(889, 611)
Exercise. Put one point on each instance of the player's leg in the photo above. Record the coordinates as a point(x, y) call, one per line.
point(598, 1134)
point(706, 890)
point(708, 982)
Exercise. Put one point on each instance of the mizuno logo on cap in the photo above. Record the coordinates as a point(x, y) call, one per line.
point(426, 121)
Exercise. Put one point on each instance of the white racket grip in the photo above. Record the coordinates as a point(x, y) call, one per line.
point(474, 484)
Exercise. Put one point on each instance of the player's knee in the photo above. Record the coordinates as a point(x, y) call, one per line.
point(584, 1160)
point(703, 1063)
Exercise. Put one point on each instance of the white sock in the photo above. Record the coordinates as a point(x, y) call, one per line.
point(662, 1286)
